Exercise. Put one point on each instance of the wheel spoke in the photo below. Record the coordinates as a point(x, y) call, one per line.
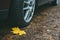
point(26, 14)
point(27, 2)
point(26, 8)
point(29, 6)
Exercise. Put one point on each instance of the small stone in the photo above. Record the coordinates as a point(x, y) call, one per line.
point(48, 30)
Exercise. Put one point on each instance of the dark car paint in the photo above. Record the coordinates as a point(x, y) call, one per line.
point(4, 6)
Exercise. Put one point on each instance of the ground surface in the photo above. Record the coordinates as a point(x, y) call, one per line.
point(44, 26)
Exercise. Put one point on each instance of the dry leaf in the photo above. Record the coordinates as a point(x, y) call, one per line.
point(18, 31)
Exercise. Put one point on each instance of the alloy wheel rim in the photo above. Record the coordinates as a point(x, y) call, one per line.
point(29, 6)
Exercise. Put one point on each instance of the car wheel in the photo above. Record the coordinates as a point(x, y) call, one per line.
point(23, 14)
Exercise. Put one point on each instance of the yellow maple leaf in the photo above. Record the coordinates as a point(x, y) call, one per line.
point(18, 31)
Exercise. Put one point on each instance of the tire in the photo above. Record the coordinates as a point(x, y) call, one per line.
point(54, 2)
point(21, 12)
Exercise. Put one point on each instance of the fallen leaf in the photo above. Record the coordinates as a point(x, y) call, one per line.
point(18, 31)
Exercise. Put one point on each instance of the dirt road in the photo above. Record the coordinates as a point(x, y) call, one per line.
point(44, 26)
